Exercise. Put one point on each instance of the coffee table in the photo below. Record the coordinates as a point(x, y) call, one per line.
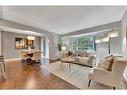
point(67, 60)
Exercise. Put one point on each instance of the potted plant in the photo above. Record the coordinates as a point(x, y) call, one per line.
point(59, 46)
point(69, 53)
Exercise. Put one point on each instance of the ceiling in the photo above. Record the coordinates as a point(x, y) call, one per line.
point(63, 19)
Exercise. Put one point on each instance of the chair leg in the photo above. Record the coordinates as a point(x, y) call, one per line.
point(89, 82)
point(114, 88)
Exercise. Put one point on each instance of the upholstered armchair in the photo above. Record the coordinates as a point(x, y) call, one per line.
point(111, 78)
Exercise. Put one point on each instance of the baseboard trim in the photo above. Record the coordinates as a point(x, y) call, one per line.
point(12, 59)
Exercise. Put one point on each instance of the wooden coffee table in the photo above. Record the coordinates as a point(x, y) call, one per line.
point(67, 60)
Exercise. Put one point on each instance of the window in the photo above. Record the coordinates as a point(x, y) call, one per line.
point(83, 43)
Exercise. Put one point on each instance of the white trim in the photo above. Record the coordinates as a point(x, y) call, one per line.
point(53, 58)
point(12, 59)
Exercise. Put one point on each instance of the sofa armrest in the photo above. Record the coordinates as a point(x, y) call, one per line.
point(98, 70)
point(99, 73)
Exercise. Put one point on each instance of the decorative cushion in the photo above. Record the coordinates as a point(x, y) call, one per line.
point(110, 65)
point(83, 54)
point(106, 62)
point(88, 54)
point(103, 64)
point(75, 54)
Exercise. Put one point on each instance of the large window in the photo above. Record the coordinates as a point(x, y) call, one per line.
point(83, 43)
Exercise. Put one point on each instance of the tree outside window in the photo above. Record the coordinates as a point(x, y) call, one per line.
point(83, 43)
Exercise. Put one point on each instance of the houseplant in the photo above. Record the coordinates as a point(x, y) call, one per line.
point(60, 44)
point(69, 53)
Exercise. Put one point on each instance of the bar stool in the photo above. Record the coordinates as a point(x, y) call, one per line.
point(2, 65)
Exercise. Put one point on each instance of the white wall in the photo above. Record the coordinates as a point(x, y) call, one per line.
point(47, 47)
point(0, 30)
point(53, 51)
point(124, 39)
point(115, 45)
point(0, 43)
point(1, 12)
point(102, 49)
point(8, 44)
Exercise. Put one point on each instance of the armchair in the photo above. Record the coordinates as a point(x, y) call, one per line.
point(111, 78)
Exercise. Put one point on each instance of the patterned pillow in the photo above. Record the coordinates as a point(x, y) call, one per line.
point(103, 64)
point(111, 65)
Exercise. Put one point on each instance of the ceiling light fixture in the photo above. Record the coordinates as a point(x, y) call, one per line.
point(30, 37)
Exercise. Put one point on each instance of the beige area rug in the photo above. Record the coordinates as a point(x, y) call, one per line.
point(77, 76)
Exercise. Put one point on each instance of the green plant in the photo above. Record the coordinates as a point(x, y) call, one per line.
point(69, 53)
point(60, 44)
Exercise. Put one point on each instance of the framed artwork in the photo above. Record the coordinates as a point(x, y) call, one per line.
point(23, 43)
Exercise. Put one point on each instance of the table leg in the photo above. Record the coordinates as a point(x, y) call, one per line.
point(69, 66)
point(61, 64)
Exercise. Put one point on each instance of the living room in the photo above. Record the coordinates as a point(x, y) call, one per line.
point(75, 36)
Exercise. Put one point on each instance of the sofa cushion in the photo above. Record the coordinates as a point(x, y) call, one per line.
point(88, 54)
point(81, 53)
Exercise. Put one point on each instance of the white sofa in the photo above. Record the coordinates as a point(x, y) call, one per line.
point(111, 78)
point(86, 58)
point(87, 61)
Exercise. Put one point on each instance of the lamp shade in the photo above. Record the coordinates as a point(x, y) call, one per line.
point(105, 39)
point(30, 37)
point(113, 34)
point(63, 48)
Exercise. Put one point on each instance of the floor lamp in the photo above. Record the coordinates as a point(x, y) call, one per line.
point(109, 46)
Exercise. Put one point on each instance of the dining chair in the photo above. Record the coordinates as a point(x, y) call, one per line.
point(36, 56)
point(23, 55)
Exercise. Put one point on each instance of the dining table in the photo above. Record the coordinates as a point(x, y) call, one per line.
point(29, 54)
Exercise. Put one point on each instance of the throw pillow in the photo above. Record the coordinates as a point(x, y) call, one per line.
point(111, 65)
point(88, 54)
point(102, 66)
point(106, 62)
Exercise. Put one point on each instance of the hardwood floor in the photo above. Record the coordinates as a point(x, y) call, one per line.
point(22, 76)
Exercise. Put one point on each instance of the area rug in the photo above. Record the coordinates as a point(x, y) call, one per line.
point(77, 76)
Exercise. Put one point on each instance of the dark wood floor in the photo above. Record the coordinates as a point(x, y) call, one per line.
point(22, 76)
